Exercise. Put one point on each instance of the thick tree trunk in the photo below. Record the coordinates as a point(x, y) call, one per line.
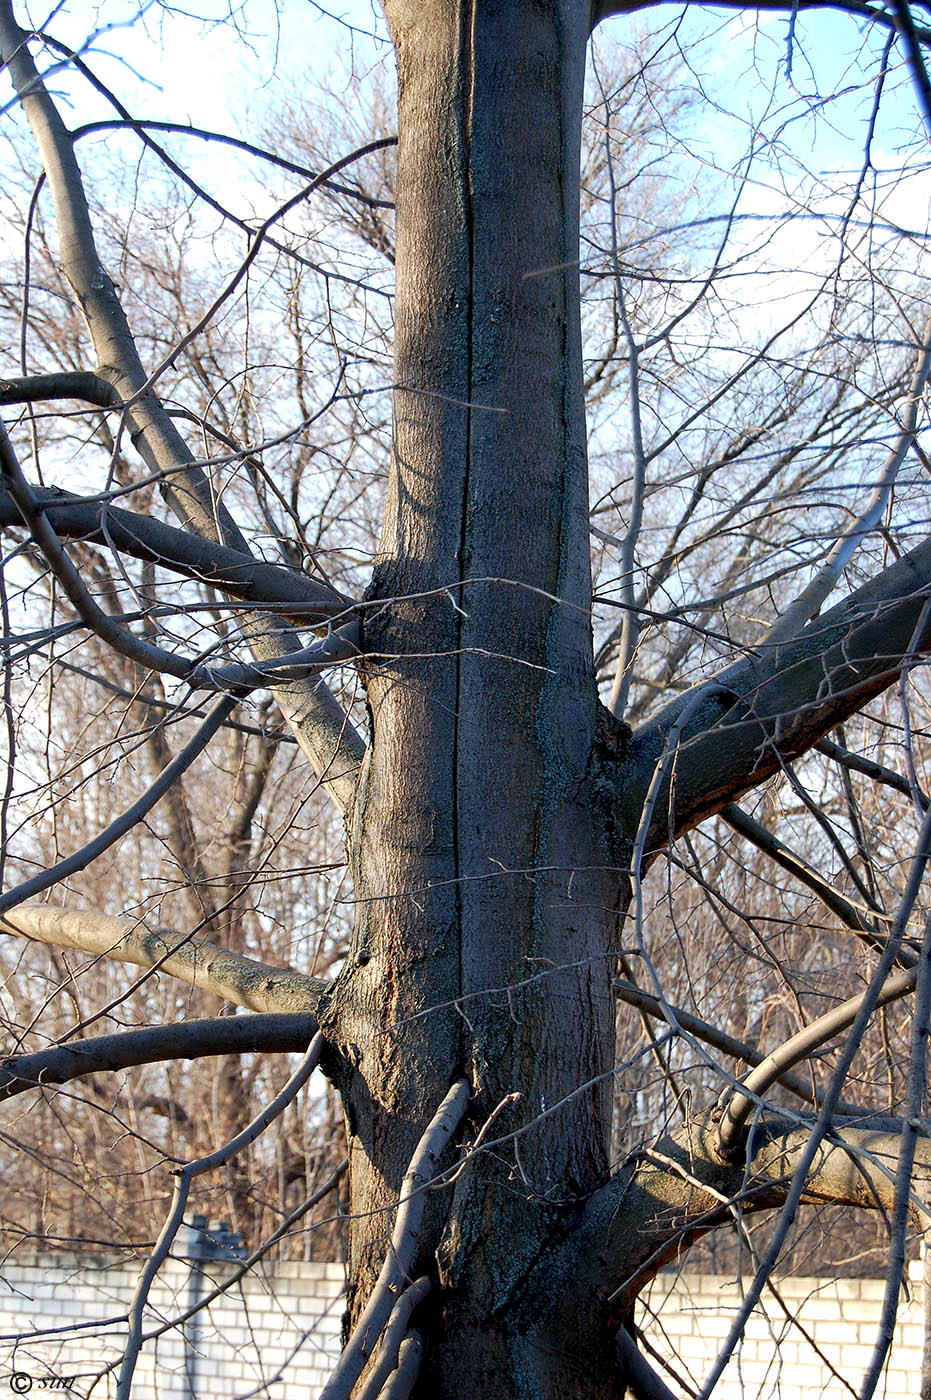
point(487, 876)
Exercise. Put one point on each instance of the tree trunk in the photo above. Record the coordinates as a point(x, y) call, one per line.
point(486, 870)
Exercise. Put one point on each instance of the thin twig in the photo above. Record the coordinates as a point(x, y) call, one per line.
point(134, 814)
point(801, 1046)
point(272, 157)
point(135, 649)
point(405, 1238)
point(727, 1044)
point(860, 919)
point(393, 1337)
point(870, 769)
point(810, 600)
point(234, 1277)
point(183, 1179)
point(915, 1104)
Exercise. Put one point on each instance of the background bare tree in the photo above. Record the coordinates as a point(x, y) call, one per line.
point(591, 876)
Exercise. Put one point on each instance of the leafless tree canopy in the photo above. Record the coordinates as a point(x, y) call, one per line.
point(466, 596)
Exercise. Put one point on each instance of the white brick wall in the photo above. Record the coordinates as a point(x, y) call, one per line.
point(278, 1326)
point(277, 1332)
point(687, 1316)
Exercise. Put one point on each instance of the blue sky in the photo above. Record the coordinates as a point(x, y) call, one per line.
point(219, 70)
point(210, 70)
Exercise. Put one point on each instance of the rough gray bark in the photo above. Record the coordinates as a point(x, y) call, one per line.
point(480, 847)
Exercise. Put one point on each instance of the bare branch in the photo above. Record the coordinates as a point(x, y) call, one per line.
point(339, 645)
point(777, 703)
point(403, 1379)
point(238, 979)
point(183, 1180)
point(720, 1040)
point(134, 814)
point(799, 1047)
point(152, 430)
point(301, 599)
point(405, 1237)
point(916, 62)
point(857, 917)
point(860, 9)
point(320, 726)
point(870, 769)
point(186, 1040)
point(393, 1337)
point(123, 642)
point(901, 1209)
point(224, 139)
point(806, 1164)
point(67, 384)
point(249, 1263)
point(642, 1380)
point(678, 1189)
point(810, 600)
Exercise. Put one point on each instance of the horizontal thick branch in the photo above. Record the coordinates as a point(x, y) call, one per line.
point(777, 702)
point(66, 384)
point(340, 644)
point(186, 1040)
point(679, 1189)
point(237, 979)
point(303, 600)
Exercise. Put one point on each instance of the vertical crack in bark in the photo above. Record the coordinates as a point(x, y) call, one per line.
point(467, 49)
